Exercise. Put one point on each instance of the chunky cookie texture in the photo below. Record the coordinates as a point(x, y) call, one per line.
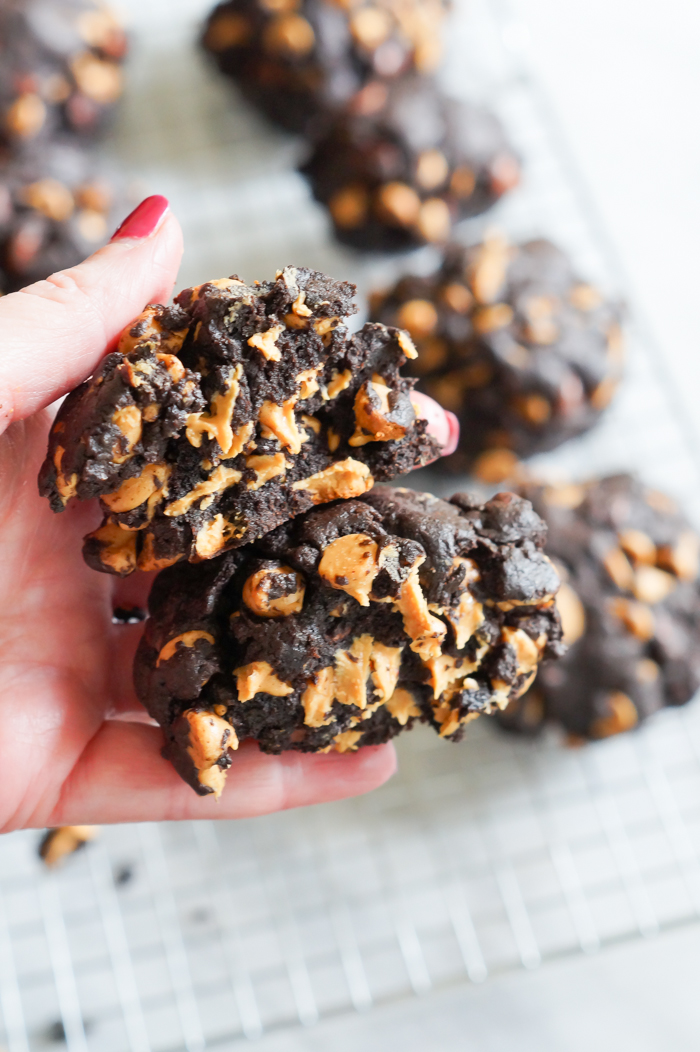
point(229, 413)
point(525, 352)
point(301, 61)
point(341, 628)
point(404, 162)
point(629, 604)
point(60, 68)
point(55, 209)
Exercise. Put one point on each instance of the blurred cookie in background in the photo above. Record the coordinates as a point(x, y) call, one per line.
point(525, 352)
point(630, 609)
point(404, 162)
point(57, 844)
point(56, 208)
point(296, 60)
point(60, 68)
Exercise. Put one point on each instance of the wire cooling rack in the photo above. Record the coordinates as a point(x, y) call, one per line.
point(493, 855)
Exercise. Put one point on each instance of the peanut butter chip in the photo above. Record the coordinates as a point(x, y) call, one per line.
point(457, 297)
point(97, 78)
point(385, 663)
point(258, 678)
point(280, 420)
point(219, 480)
point(227, 31)
point(419, 317)
point(347, 741)
point(572, 613)
point(447, 673)
point(623, 716)
point(51, 198)
point(215, 536)
point(682, 558)
point(186, 639)
point(318, 697)
point(217, 422)
point(117, 548)
point(136, 491)
point(618, 566)
point(468, 614)
point(426, 632)
point(266, 467)
point(339, 382)
point(402, 706)
point(348, 206)
point(566, 495)
point(490, 319)
point(66, 487)
point(496, 465)
point(148, 560)
point(128, 420)
point(487, 275)
point(652, 585)
point(265, 342)
point(406, 344)
point(289, 35)
point(638, 546)
point(637, 618)
point(351, 564)
point(351, 672)
point(150, 332)
point(434, 220)
point(398, 204)
point(63, 841)
point(344, 479)
point(371, 412)
point(210, 739)
point(370, 26)
point(527, 650)
point(26, 116)
point(257, 588)
point(432, 169)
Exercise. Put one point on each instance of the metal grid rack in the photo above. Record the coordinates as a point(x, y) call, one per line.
point(493, 855)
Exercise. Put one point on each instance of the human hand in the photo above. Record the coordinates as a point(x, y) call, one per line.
point(76, 747)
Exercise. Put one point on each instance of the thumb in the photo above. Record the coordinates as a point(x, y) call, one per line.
point(54, 333)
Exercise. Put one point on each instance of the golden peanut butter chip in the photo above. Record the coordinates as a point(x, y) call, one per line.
point(385, 663)
point(210, 739)
point(300, 308)
point(148, 560)
point(333, 440)
point(117, 548)
point(266, 343)
point(266, 467)
point(407, 345)
point(280, 420)
point(572, 613)
point(241, 438)
point(97, 78)
point(351, 564)
point(66, 487)
point(447, 718)
point(26, 116)
point(637, 617)
point(318, 697)
point(487, 274)
point(565, 495)
point(434, 220)
point(652, 585)
point(185, 639)
point(220, 479)
point(496, 465)
point(289, 34)
point(622, 716)
point(426, 632)
point(311, 423)
point(352, 669)
point(347, 741)
point(638, 546)
point(215, 536)
point(349, 206)
point(398, 204)
point(259, 678)
point(217, 422)
point(344, 479)
point(527, 650)
point(681, 559)
point(419, 317)
point(619, 568)
point(371, 412)
point(149, 486)
point(150, 331)
point(338, 383)
point(257, 588)
point(468, 614)
point(63, 841)
point(447, 673)
point(492, 318)
point(53, 199)
point(308, 382)
point(402, 706)
point(129, 422)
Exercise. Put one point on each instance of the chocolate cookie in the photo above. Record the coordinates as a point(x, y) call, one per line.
point(630, 608)
point(526, 353)
point(229, 413)
point(404, 162)
point(55, 209)
point(60, 67)
point(342, 627)
point(300, 61)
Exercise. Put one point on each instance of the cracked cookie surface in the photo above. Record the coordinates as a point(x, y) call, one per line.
point(344, 626)
point(525, 353)
point(629, 604)
point(298, 62)
point(404, 162)
point(223, 416)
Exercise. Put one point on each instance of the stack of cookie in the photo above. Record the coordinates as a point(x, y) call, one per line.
point(60, 79)
point(396, 162)
point(234, 441)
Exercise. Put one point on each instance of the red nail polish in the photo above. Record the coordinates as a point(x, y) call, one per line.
point(144, 219)
point(453, 440)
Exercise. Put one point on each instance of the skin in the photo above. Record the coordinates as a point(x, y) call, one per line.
point(76, 747)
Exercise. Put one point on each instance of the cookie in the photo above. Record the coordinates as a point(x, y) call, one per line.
point(629, 604)
point(300, 61)
point(525, 352)
point(58, 843)
point(60, 68)
point(223, 416)
point(342, 627)
point(55, 209)
point(404, 162)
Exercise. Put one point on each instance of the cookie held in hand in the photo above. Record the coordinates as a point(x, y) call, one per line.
point(229, 413)
point(342, 627)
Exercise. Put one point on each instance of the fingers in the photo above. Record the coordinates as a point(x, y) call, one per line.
point(56, 331)
point(442, 424)
point(121, 777)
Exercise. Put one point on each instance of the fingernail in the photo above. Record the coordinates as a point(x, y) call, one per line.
point(453, 440)
point(144, 220)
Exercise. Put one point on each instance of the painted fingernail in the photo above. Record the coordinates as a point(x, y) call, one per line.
point(144, 220)
point(453, 440)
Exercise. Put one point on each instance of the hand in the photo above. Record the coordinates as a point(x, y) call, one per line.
point(76, 747)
